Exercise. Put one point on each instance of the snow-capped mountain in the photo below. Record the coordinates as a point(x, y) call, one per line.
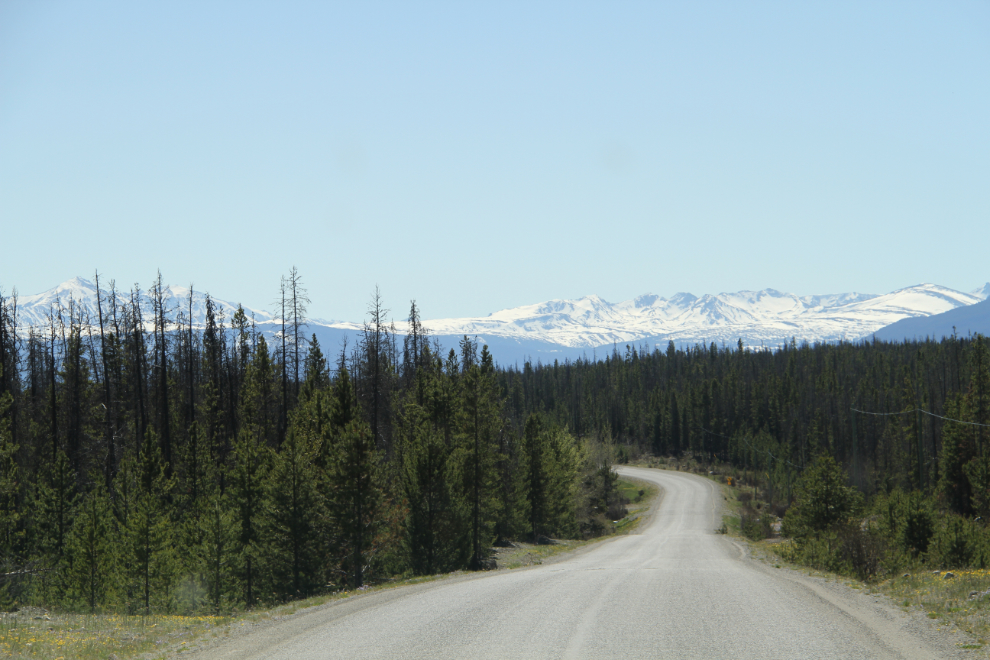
point(769, 317)
point(570, 327)
point(983, 292)
point(80, 294)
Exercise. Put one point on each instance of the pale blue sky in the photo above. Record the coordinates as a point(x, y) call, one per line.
point(481, 156)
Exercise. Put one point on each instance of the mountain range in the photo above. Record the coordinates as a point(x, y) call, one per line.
point(589, 326)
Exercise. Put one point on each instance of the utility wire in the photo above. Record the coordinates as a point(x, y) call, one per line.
point(863, 412)
point(914, 410)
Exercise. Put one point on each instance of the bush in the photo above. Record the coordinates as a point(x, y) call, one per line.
point(957, 544)
point(616, 511)
point(756, 527)
point(907, 519)
point(862, 552)
point(824, 501)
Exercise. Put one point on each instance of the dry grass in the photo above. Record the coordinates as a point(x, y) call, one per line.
point(33, 633)
point(947, 600)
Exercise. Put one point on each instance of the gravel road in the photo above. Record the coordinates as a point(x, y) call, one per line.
point(674, 590)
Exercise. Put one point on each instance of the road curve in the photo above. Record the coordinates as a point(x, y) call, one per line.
point(674, 590)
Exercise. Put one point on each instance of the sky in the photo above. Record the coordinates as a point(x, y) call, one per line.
point(479, 156)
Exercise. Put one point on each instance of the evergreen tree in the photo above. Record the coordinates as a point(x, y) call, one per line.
point(316, 371)
point(217, 550)
point(358, 496)
point(512, 488)
point(9, 480)
point(251, 464)
point(52, 510)
point(958, 451)
point(435, 526)
point(92, 550)
point(479, 422)
point(292, 516)
point(823, 500)
point(150, 555)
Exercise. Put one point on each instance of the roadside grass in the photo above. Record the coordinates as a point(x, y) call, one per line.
point(640, 495)
point(947, 600)
point(529, 554)
point(36, 634)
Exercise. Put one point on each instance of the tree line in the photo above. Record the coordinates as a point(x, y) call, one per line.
point(874, 454)
point(150, 462)
point(882, 410)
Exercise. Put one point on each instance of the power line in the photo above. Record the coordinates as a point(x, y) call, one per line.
point(914, 410)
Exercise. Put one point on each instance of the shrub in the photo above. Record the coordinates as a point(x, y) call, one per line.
point(755, 526)
point(824, 501)
point(957, 544)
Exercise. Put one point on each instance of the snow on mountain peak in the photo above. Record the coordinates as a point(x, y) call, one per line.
point(982, 293)
point(80, 294)
point(768, 316)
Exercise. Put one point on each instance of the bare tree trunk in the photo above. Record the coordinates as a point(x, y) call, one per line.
point(51, 371)
point(109, 463)
point(162, 359)
point(190, 410)
point(283, 423)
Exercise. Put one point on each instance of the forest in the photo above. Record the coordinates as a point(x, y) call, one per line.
point(152, 464)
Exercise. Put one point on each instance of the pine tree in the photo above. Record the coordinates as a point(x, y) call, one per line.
point(358, 496)
point(217, 550)
point(251, 464)
point(512, 488)
point(479, 422)
point(316, 371)
point(553, 467)
point(435, 526)
point(52, 509)
point(258, 396)
point(539, 482)
point(292, 516)
point(958, 451)
point(9, 480)
point(976, 409)
point(150, 556)
point(92, 551)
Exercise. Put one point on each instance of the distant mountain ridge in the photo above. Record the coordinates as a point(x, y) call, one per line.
point(962, 321)
point(769, 317)
point(33, 310)
point(569, 328)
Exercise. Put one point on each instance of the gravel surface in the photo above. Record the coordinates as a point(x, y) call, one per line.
point(674, 590)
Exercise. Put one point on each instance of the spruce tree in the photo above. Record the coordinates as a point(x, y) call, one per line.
point(92, 546)
point(436, 523)
point(479, 422)
point(9, 480)
point(292, 516)
point(217, 550)
point(251, 464)
point(358, 497)
point(150, 555)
